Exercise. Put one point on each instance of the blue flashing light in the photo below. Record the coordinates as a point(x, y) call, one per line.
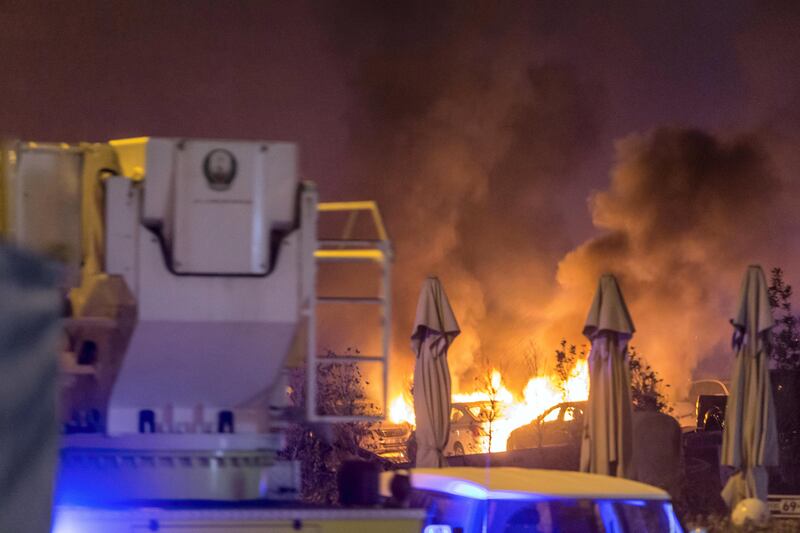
point(609, 516)
point(466, 489)
point(511, 495)
point(636, 503)
point(674, 524)
point(477, 492)
point(64, 523)
point(437, 528)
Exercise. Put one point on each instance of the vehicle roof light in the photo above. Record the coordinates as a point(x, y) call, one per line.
point(437, 528)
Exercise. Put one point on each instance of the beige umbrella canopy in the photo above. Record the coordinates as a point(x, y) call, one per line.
point(435, 327)
point(608, 431)
point(750, 440)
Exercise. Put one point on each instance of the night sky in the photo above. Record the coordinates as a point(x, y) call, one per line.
point(518, 149)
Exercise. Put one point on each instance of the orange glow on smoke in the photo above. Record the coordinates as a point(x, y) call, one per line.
point(511, 411)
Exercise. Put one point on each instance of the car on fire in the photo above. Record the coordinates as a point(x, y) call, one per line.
point(388, 440)
point(467, 433)
point(516, 500)
point(561, 424)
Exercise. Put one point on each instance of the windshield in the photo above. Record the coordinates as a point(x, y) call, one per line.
point(647, 517)
point(562, 516)
point(576, 516)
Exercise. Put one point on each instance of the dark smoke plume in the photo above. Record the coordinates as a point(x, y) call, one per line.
point(474, 137)
point(685, 214)
point(467, 137)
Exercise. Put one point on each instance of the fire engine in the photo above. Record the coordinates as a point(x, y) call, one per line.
point(190, 283)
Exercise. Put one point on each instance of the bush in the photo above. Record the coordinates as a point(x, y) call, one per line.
point(321, 448)
point(785, 342)
point(646, 386)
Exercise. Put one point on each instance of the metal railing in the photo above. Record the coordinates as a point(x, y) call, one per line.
point(349, 250)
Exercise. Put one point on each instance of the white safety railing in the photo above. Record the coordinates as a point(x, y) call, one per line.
point(348, 250)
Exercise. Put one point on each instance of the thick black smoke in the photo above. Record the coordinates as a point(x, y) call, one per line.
point(685, 214)
point(466, 137)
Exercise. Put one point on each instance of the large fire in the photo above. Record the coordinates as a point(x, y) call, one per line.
point(510, 411)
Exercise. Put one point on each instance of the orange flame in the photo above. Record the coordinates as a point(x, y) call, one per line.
point(401, 410)
point(511, 411)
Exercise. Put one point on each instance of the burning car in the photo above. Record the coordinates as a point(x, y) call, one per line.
point(467, 433)
point(560, 425)
point(388, 440)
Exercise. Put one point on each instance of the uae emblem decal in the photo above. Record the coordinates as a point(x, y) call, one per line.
point(219, 167)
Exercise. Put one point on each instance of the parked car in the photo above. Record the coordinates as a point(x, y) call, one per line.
point(466, 430)
point(388, 441)
point(516, 500)
point(562, 424)
point(466, 427)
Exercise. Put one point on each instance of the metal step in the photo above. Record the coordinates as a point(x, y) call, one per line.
point(348, 300)
point(350, 243)
point(344, 255)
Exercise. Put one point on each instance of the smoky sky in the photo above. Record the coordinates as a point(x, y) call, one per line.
point(685, 214)
point(517, 149)
point(472, 137)
point(490, 127)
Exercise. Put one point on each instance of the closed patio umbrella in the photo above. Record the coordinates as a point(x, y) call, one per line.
point(750, 439)
point(435, 328)
point(606, 447)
